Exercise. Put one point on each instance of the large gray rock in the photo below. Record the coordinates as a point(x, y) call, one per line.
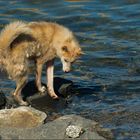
point(56, 130)
point(21, 117)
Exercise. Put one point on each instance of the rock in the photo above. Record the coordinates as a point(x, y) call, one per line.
point(74, 131)
point(62, 87)
point(88, 127)
point(2, 100)
point(46, 103)
point(105, 132)
point(10, 102)
point(55, 130)
point(21, 117)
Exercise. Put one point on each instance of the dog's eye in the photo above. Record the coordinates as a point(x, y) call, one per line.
point(66, 60)
point(65, 49)
point(73, 61)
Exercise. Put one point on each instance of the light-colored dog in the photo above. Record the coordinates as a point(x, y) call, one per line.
point(41, 42)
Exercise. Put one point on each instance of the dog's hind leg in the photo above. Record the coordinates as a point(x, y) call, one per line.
point(20, 82)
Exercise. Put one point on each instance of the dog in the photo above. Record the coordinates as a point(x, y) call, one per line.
point(40, 42)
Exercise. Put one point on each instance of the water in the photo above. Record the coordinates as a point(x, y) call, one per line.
point(109, 72)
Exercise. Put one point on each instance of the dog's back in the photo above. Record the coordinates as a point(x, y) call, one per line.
point(8, 35)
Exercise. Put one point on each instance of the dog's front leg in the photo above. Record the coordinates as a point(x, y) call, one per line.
point(50, 73)
point(41, 88)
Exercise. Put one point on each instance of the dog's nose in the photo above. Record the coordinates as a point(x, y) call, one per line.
point(67, 70)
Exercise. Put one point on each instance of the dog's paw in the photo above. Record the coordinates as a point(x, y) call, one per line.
point(23, 103)
point(42, 89)
point(19, 100)
point(52, 94)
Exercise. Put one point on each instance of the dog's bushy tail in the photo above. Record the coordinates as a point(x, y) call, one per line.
point(10, 33)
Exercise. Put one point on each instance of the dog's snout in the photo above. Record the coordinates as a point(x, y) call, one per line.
point(67, 70)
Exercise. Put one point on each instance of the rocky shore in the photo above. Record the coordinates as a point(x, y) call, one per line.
point(30, 122)
point(57, 129)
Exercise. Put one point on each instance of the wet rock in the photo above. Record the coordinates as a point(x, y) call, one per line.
point(55, 129)
point(46, 103)
point(74, 131)
point(2, 100)
point(63, 88)
point(105, 132)
point(21, 117)
point(7, 101)
point(10, 102)
point(87, 128)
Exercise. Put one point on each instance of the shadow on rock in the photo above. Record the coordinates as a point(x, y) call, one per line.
point(2, 100)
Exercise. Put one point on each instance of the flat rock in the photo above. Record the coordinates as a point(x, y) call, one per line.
point(56, 130)
point(46, 103)
point(63, 88)
point(21, 117)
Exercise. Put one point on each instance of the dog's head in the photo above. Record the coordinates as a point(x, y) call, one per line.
point(67, 48)
point(70, 52)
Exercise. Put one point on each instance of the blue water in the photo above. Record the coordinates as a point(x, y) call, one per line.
point(109, 72)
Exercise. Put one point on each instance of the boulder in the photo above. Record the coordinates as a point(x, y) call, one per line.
point(57, 129)
point(21, 117)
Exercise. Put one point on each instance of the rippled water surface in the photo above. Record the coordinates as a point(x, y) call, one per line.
point(109, 72)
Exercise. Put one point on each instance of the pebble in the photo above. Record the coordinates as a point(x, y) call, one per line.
point(74, 131)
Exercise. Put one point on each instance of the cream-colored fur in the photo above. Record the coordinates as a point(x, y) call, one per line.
point(41, 42)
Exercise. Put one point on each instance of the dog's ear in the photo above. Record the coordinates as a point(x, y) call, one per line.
point(65, 49)
point(80, 52)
